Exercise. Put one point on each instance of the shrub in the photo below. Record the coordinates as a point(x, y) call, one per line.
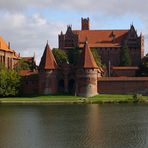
point(137, 98)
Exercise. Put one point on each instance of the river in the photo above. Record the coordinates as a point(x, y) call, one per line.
point(74, 126)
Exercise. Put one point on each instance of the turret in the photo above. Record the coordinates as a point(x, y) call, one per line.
point(85, 25)
point(47, 72)
point(87, 74)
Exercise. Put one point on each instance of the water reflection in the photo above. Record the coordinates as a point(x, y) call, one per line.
point(74, 126)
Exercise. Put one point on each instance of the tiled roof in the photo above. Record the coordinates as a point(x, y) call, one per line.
point(4, 45)
point(125, 68)
point(101, 38)
point(87, 59)
point(136, 79)
point(48, 61)
point(29, 59)
point(27, 72)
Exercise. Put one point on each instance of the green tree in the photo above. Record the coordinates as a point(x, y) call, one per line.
point(60, 56)
point(74, 55)
point(96, 57)
point(125, 59)
point(9, 82)
point(22, 65)
point(143, 67)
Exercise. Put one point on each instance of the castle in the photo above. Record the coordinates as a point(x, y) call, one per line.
point(108, 43)
point(52, 79)
point(87, 78)
point(8, 56)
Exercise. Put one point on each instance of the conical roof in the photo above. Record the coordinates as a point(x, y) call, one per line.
point(48, 61)
point(87, 59)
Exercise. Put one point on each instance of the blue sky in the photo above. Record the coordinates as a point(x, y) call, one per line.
point(28, 24)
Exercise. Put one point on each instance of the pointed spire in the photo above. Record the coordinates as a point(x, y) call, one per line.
point(48, 61)
point(132, 26)
point(87, 59)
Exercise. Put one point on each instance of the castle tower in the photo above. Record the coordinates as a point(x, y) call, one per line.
point(85, 25)
point(87, 74)
point(47, 73)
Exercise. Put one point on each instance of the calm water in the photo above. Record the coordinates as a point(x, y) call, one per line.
point(74, 126)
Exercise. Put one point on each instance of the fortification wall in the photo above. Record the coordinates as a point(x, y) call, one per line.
point(122, 85)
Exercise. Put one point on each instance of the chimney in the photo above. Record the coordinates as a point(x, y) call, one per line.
point(85, 24)
point(8, 45)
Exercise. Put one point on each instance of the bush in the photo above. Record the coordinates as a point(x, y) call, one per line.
point(9, 82)
point(137, 98)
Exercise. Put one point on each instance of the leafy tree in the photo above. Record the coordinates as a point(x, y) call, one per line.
point(60, 56)
point(96, 56)
point(143, 67)
point(74, 55)
point(125, 59)
point(9, 82)
point(22, 65)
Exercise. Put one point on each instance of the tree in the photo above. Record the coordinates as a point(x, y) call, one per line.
point(125, 59)
point(96, 57)
point(74, 55)
point(143, 67)
point(60, 56)
point(22, 65)
point(9, 82)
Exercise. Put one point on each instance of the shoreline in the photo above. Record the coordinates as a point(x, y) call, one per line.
point(70, 102)
point(67, 99)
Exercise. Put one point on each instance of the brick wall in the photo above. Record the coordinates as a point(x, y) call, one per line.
point(30, 84)
point(124, 71)
point(122, 85)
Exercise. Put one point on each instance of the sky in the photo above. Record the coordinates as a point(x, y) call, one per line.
point(28, 24)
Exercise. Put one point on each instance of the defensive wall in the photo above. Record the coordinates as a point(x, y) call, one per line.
point(123, 85)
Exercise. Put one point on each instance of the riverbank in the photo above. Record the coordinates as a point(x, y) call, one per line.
point(67, 99)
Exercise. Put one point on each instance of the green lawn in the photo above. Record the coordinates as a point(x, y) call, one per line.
point(101, 98)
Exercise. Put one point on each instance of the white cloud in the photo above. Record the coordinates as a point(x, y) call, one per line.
point(30, 33)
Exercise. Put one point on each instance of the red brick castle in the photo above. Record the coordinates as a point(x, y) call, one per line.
point(108, 43)
point(86, 78)
point(51, 78)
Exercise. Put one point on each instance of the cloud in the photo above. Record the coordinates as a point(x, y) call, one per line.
point(115, 7)
point(29, 33)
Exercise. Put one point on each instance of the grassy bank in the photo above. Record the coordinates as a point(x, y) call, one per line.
point(101, 98)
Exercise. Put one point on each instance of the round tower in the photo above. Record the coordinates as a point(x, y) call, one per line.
point(48, 73)
point(86, 82)
point(87, 74)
